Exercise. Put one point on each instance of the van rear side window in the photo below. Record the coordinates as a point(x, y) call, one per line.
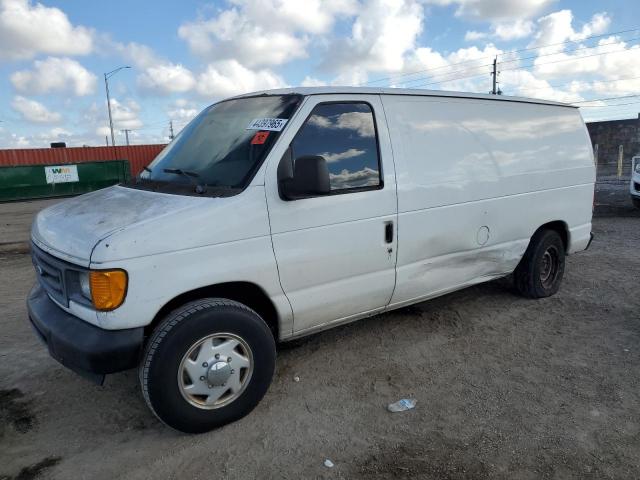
point(345, 135)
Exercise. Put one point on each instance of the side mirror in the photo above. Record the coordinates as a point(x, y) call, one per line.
point(308, 176)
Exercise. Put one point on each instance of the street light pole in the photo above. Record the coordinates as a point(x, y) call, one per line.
point(107, 76)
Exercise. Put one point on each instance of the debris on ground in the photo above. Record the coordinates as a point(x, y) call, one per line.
point(296, 379)
point(328, 463)
point(402, 405)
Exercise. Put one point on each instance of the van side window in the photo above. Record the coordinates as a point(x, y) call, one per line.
point(345, 135)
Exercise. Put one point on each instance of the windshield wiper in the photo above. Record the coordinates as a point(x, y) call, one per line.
point(147, 169)
point(199, 188)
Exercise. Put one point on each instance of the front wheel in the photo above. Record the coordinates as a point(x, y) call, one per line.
point(207, 364)
point(636, 202)
point(541, 269)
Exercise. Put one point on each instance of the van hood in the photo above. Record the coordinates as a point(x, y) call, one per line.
point(72, 228)
point(118, 223)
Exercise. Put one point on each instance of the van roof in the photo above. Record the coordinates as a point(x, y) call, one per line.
point(401, 91)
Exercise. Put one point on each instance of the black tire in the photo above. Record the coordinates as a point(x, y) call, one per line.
point(541, 269)
point(175, 336)
point(636, 202)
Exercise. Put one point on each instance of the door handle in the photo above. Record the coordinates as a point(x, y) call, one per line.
point(388, 232)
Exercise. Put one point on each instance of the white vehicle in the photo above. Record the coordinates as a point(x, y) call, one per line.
point(278, 214)
point(634, 185)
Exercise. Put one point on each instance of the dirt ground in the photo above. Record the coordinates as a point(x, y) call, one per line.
point(506, 388)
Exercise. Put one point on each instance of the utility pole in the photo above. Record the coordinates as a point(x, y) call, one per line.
point(106, 139)
point(494, 74)
point(171, 135)
point(126, 134)
point(107, 76)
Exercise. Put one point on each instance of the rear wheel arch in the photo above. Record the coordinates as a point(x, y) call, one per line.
point(246, 293)
point(561, 228)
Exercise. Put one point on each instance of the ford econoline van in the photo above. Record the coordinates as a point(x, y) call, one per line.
point(277, 214)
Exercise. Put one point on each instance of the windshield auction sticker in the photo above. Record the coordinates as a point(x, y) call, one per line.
point(271, 124)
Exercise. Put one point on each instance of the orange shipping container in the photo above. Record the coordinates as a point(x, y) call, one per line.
point(138, 155)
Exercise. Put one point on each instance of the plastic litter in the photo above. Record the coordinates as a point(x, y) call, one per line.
point(296, 379)
point(328, 463)
point(402, 405)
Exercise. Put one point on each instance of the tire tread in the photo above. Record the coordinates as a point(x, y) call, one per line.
point(171, 321)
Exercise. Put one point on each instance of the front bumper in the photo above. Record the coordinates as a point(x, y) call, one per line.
point(84, 348)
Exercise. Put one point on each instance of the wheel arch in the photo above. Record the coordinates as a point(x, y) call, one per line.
point(561, 228)
point(247, 293)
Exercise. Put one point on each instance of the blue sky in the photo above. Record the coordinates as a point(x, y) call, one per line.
point(185, 55)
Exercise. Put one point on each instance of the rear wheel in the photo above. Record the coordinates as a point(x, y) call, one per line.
point(207, 364)
point(541, 269)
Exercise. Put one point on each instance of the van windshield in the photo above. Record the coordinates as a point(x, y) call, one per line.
point(220, 149)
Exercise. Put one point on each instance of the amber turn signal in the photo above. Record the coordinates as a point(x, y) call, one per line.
point(108, 288)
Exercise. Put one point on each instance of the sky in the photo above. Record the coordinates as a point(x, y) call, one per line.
point(186, 55)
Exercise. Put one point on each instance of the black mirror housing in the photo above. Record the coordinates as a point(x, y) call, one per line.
point(308, 176)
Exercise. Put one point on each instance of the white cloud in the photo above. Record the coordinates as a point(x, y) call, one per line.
point(473, 35)
point(309, 81)
point(55, 75)
point(27, 29)
point(315, 17)
point(125, 115)
point(360, 178)
point(228, 77)
point(527, 84)
point(359, 122)
point(336, 157)
point(557, 27)
point(503, 30)
point(166, 78)
point(381, 35)
point(513, 30)
point(233, 36)
point(34, 111)
point(155, 74)
point(263, 32)
point(496, 9)
point(611, 58)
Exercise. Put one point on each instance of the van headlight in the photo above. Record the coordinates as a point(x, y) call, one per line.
point(85, 287)
point(106, 289)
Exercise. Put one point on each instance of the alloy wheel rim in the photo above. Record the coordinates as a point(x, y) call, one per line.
point(215, 370)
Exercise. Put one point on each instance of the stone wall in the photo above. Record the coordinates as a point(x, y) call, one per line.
point(609, 135)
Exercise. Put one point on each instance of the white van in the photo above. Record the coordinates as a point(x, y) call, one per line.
point(281, 213)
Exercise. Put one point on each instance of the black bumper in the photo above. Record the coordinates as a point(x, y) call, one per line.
point(84, 348)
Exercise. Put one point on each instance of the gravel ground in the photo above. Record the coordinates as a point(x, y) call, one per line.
point(505, 387)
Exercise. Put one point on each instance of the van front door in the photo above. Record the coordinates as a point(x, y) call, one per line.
point(336, 252)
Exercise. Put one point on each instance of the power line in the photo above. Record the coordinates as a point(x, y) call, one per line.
point(609, 98)
point(569, 83)
point(526, 67)
point(613, 105)
point(522, 67)
point(391, 77)
point(567, 59)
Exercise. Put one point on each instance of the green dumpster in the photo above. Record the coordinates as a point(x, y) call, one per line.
point(25, 182)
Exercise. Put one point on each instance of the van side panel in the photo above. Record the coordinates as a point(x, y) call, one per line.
point(476, 178)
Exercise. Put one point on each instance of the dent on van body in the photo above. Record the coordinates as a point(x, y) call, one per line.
point(463, 165)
